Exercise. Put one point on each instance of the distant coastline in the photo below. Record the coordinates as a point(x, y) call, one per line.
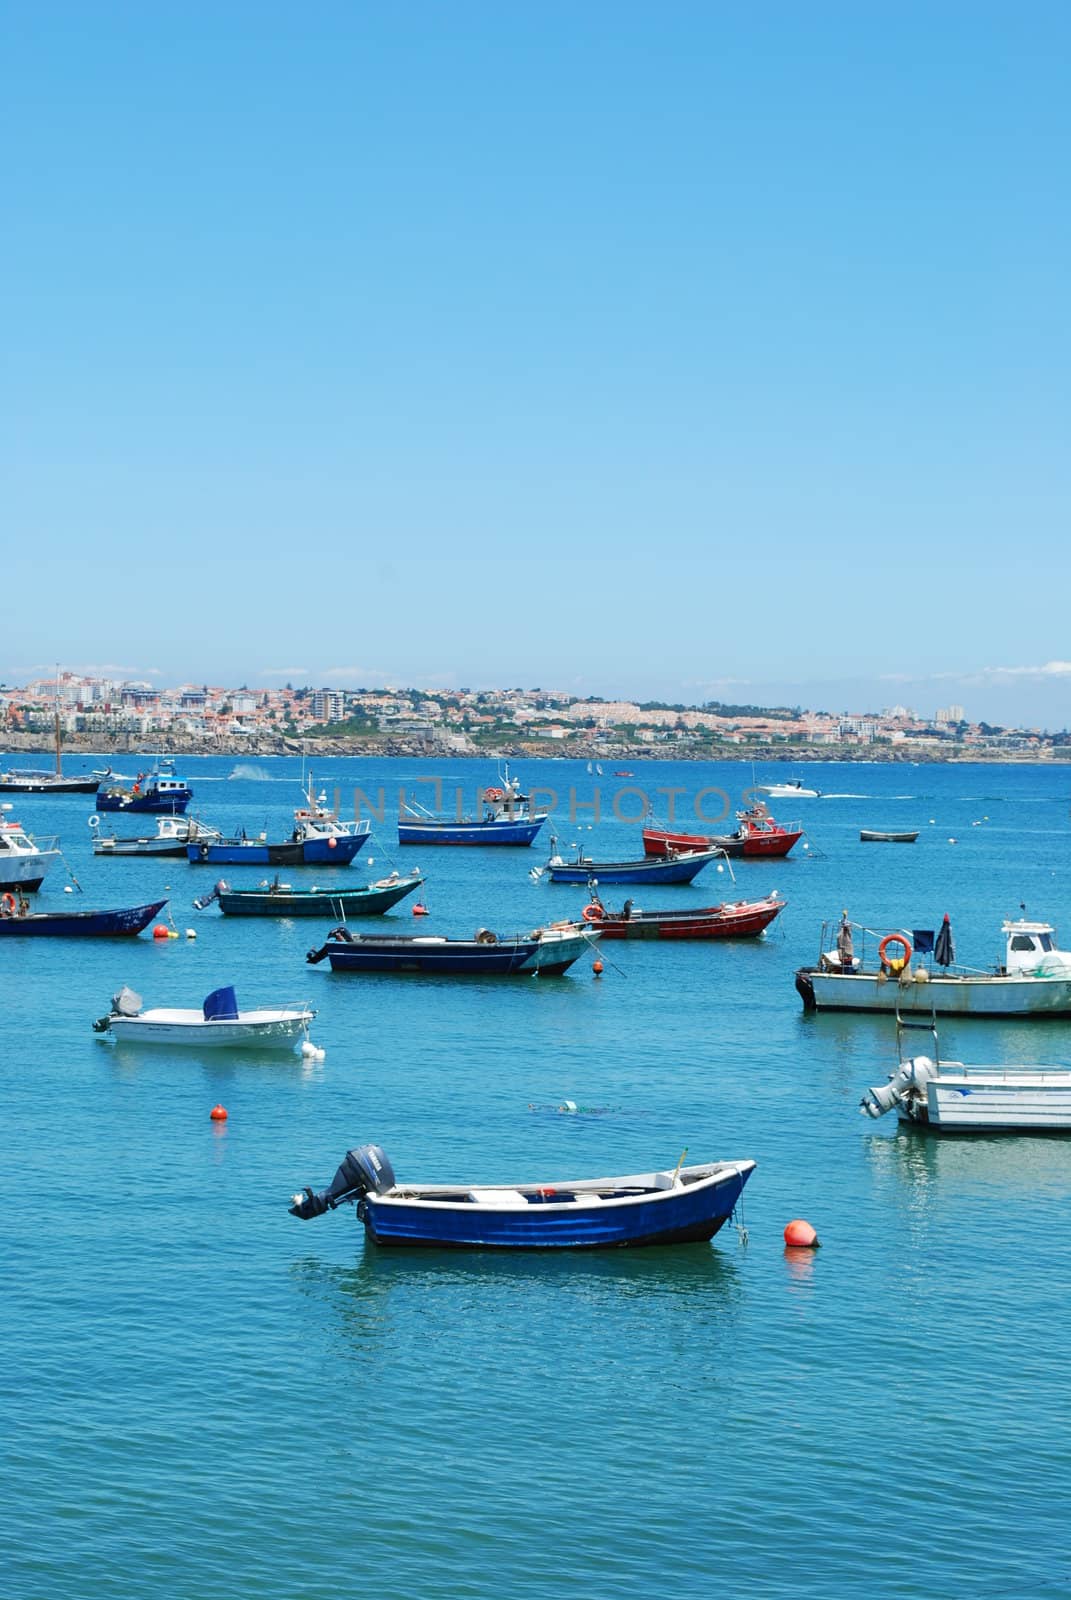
point(315, 748)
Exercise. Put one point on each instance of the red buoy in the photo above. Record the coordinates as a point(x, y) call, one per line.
point(218, 1113)
point(800, 1235)
point(160, 931)
point(419, 910)
point(596, 967)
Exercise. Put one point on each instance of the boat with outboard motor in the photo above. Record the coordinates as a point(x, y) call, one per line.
point(158, 790)
point(24, 860)
point(909, 971)
point(506, 818)
point(319, 837)
point(788, 791)
point(757, 837)
point(682, 1205)
point(742, 919)
point(218, 1022)
point(76, 924)
point(951, 1097)
point(283, 900)
point(172, 836)
point(546, 951)
point(673, 867)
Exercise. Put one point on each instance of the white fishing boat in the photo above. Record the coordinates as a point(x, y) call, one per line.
point(219, 1022)
point(171, 838)
point(23, 860)
point(907, 973)
point(964, 1099)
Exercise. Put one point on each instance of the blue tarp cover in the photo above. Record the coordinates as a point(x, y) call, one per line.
point(221, 1005)
point(922, 939)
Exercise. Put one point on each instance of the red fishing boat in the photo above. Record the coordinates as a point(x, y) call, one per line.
point(742, 919)
point(757, 835)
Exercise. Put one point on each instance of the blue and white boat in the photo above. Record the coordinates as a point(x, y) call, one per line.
point(158, 790)
point(684, 1206)
point(673, 867)
point(506, 818)
point(547, 951)
point(319, 837)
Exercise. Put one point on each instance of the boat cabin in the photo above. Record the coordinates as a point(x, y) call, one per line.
point(1028, 944)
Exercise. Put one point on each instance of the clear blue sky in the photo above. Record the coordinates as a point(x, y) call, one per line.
point(686, 350)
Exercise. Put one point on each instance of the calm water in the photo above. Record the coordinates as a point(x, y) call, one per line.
point(204, 1397)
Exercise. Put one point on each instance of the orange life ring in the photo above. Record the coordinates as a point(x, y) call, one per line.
point(494, 794)
point(593, 913)
point(9, 905)
point(895, 938)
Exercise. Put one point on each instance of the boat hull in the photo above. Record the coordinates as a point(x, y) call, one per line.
point(336, 851)
point(499, 831)
point(271, 1031)
point(137, 847)
point(451, 958)
point(710, 922)
point(868, 836)
point(657, 841)
point(962, 997)
point(684, 1214)
point(370, 902)
point(48, 785)
point(80, 924)
point(980, 1100)
point(172, 802)
point(26, 872)
point(651, 869)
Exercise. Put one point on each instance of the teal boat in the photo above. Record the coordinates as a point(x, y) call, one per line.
point(281, 900)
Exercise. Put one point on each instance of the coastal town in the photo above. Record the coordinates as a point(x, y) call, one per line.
point(101, 713)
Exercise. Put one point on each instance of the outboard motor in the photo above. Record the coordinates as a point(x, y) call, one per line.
point(365, 1170)
point(124, 1004)
point(907, 1083)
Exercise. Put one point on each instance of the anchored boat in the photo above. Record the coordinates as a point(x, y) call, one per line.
point(172, 836)
point(319, 837)
point(23, 860)
point(870, 836)
point(158, 790)
point(744, 919)
point(758, 836)
point(949, 1096)
point(548, 951)
point(682, 1206)
point(33, 782)
point(77, 924)
point(282, 900)
point(506, 818)
point(673, 867)
point(915, 971)
point(217, 1023)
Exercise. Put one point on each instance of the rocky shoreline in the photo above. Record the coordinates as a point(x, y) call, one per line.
point(181, 744)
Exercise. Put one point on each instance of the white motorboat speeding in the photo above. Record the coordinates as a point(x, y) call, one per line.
point(218, 1023)
point(788, 791)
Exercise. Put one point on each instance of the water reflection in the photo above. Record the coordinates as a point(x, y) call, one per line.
point(917, 1164)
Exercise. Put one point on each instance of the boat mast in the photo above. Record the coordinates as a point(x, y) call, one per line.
point(59, 768)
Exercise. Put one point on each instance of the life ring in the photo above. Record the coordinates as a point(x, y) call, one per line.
point(594, 913)
point(94, 822)
point(895, 938)
point(494, 794)
point(9, 905)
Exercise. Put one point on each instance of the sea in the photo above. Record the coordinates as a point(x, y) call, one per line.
point(204, 1397)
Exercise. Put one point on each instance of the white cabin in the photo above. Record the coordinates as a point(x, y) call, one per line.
point(1032, 945)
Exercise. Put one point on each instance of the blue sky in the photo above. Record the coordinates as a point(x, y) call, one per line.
point(686, 351)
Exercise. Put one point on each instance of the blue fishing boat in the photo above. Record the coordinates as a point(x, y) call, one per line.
point(283, 900)
point(548, 951)
point(506, 818)
point(673, 867)
point(79, 924)
point(683, 1206)
point(319, 837)
point(158, 790)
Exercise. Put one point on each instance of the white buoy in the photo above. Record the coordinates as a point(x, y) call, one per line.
point(312, 1052)
point(191, 933)
point(67, 889)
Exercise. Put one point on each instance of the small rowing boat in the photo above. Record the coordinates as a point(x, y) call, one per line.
point(869, 836)
point(282, 900)
point(65, 924)
point(685, 1205)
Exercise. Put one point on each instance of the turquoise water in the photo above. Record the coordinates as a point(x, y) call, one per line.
point(203, 1397)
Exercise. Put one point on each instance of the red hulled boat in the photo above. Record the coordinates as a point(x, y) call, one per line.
point(742, 919)
point(757, 835)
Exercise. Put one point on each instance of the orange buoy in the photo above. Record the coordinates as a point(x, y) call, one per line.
point(218, 1113)
point(160, 931)
point(420, 910)
point(596, 967)
point(800, 1235)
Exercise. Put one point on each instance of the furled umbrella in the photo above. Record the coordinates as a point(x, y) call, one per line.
point(844, 942)
point(943, 951)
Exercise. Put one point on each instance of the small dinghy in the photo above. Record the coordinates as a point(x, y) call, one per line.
point(870, 836)
point(218, 1023)
point(682, 1206)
